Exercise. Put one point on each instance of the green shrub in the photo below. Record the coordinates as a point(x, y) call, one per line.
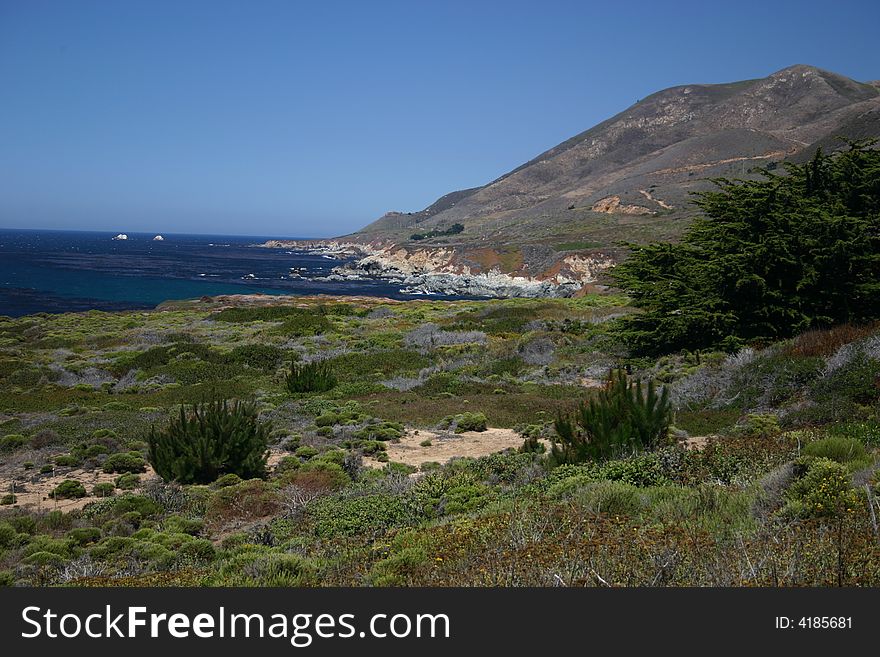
point(287, 464)
point(867, 433)
point(532, 445)
point(348, 414)
point(393, 570)
point(42, 543)
point(316, 376)
point(199, 550)
point(454, 229)
point(333, 473)
point(124, 549)
point(824, 490)
point(305, 452)
point(292, 443)
point(263, 357)
point(760, 425)
point(568, 486)
point(381, 431)
point(839, 449)
point(130, 462)
point(69, 488)
point(438, 494)
point(368, 447)
point(723, 512)
point(848, 386)
point(621, 420)
point(180, 525)
point(508, 467)
point(465, 422)
point(211, 440)
point(134, 504)
point(68, 461)
point(84, 535)
point(613, 498)
point(12, 442)
point(7, 499)
point(336, 456)
point(370, 514)
point(72, 411)
point(393, 467)
point(127, 481)
point(94, 451)
point(22, 523)
point(642, 470)
point(374, 365)
point(305, 323)
point(103, 490)
point(227, 480)
point(56, 520)
point(246, 314)
point(247, 501)
point(260, 568)
point(320, 476)
point(192, 372)
point(44, 559)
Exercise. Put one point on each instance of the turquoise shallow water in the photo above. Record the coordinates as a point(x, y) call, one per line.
point(58, 271)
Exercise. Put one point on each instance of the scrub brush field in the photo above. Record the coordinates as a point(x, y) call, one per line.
point(374, 442)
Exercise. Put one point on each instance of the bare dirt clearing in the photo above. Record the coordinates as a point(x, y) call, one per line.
point(35, 492)
point(445, 446)
point(696, 442)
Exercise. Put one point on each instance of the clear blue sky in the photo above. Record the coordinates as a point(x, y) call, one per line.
point(314, 118)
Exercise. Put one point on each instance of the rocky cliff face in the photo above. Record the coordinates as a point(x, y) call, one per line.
point(448, 271)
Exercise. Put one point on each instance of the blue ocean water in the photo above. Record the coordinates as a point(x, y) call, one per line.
point(61, 271)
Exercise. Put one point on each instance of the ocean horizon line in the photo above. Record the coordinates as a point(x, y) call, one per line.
point(112, 232)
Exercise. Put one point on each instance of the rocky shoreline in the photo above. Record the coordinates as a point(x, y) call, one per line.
point(442, 270)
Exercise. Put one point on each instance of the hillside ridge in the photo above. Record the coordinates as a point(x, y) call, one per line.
point(552, 225)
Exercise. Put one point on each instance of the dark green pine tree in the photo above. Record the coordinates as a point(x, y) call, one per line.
point(210, 440)
point(623, 419)
point(766, 259)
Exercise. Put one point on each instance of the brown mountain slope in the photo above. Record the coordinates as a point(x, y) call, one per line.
point(629, 177)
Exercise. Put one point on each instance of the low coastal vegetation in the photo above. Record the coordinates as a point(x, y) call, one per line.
point(454, 229)
point(667, 438)
point(122, 463)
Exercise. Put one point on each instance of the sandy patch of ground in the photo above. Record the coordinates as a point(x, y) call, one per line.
point(275, 457)
point(37, 489)
point(445, 446)
point(695, 442)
